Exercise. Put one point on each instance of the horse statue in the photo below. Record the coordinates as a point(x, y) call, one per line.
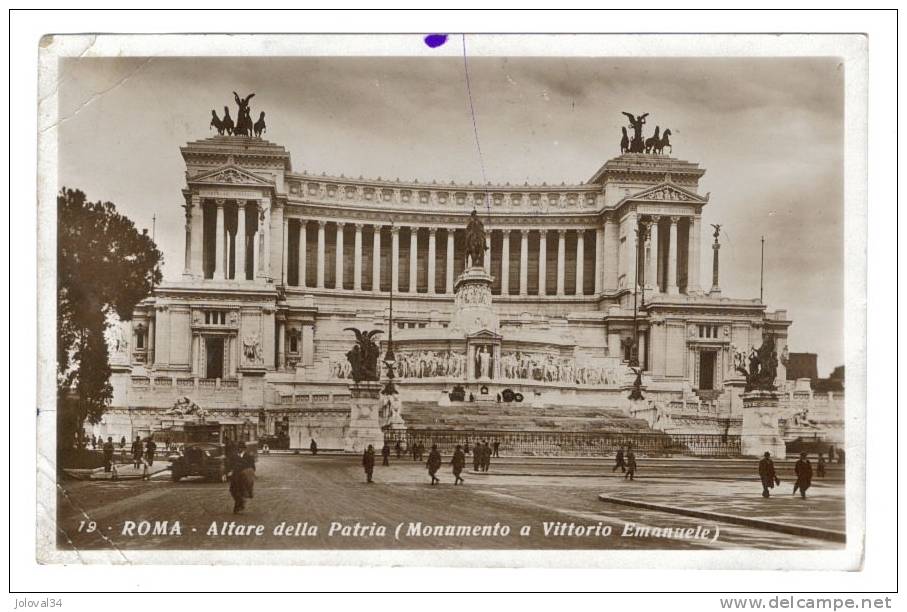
point(260, 125)
point(637, 145)
point(216, 123)
point(654, 140)
point(227, 121)
point(763, 367)
point(475, 240)
point(665, 141)
point(624, 141)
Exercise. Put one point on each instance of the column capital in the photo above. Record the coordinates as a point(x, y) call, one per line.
point(675, 219)
point(339, 224)
point(359, 226)
point(505, 231)
point(220, 202)
point(655, 218)
point(395, 229)
point(432, 230)
point(524, 232)
point(321, 223)
point(561, 232)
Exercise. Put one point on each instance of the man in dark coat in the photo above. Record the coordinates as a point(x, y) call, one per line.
point(434, 463)
point(123, 442)
point(458, 462)
point(313, 447)
point(804, 472)
point(398, 448)
point(150, 448)
point(486, 457)
point(137, 452)
point(619, 461)
point(242, 477)
point(631, 465)
point(368, 462)
point(476, 457)
point(496, 447)
point(385, 454)
point(108, 454)
point(767, 474)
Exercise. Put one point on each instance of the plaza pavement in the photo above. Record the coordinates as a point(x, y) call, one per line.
point(330, 488)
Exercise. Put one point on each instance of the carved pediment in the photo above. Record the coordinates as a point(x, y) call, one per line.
point(667, 192)
point(231, 175)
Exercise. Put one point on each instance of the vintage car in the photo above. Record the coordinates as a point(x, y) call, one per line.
point(204, 452)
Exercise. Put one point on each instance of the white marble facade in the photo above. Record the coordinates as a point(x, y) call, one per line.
point(278, 263)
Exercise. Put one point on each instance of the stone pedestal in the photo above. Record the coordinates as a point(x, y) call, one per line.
point(760, 432)
point(365, 424)
point(472, 298)
point(734, 387)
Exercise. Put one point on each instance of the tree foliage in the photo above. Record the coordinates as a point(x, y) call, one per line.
point(104, 266)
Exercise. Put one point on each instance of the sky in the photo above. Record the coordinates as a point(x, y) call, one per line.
point(768, 131)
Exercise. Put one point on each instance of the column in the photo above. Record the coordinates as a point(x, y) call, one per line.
point(266, 238)
point(303, 238)
point(281, 344)
point(395, 258)
point(561, 259)
point(376, 259)
point(543, 258)
point(693, 258)
point(431, 259)
point(239, 252)
point(599, 267)
point(652, 270)
point(151, 331)
point(450, 261)
point(263, 231)
point(630, 270)
point(357, 259)
point(672, 258)
point(505, 262)
point(413, 259)
point(219, 241)
point(195, 266)
point(320, 260)
point(524, 261)
point(187, 266)
point(338, 259)
point(285, 252)
point(610, 254)
point(580, 260)
point(487, 252)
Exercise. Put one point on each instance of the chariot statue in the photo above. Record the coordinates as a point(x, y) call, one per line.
point(763, 367)
point(363, 357)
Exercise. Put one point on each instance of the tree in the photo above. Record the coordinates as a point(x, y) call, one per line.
point(104, 266)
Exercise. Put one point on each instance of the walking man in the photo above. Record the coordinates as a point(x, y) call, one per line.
point(820, 467)
point(108, 454)
point(458, 462)
point(619, 461)
point(497, 447)
point(804, 472)
point(150, 448)
point(137, 452)
point(476, 457)
point(385, 454)
point(767, 474)
point(398, 448)
point(313, 447)
point(434, 463)
point(631, 465)
point(486, 457)
point(368, 462)
point(242, 478)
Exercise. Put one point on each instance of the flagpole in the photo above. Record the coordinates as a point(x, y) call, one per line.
point(762, 269)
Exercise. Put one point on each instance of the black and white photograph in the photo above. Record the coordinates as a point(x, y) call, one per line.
point(528, 301)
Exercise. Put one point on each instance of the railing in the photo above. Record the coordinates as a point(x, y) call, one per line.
point(574, 443)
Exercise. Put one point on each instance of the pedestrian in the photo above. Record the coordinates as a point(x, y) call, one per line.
point(486, 457)
point(476, 457)
point(313, 447)
point(137, 452)
point(368, 462)
point(619, 461)
point(150, 448)
point(122, 442)
point(497, 447)
point(840, 456)
point(434, 463)
point(421, 450)
point(398, 449)
point(265, 449)
point(820, 467)
point(94, 442)
point(458, 462)
point(804, 472)
point(415, 451)
point(385, 454)
point(108, 454)
point(242, 477)
point(767, 474)
point(631, 465)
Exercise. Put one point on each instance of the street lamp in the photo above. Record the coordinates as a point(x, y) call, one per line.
point(642, 233)
point(389, 359)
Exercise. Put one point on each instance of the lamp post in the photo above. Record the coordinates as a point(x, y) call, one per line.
point(642, 232)
point(389, 359)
